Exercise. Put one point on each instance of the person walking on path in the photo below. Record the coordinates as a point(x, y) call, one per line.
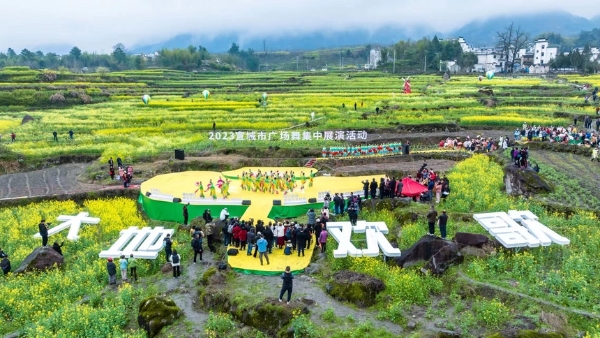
point(186, 214)
point(43, 227)
point(197, 247)
point(123, 265)
point(12, 137)
point(323, 239)
point(55, 134)
point(431, 218)
point(133, 267)
point(442, 221)
point(176, 264)
point(71, 134)
point(112, 271)
point(168, 247)
point(262, 250)
point(288, 283)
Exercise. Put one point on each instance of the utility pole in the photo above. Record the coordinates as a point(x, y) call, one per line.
point(341, 60)
point(440, 57)
point(394, 67)
point(265, 46)
point(297, 59)
point(425, 68)
point(307, 65)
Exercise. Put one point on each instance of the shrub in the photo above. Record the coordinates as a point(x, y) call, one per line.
point(303, 327)
point(49, 76)
point(219, 325)
point(85, 99)
point(57, 98)
point(493, 313)
point(329, 315)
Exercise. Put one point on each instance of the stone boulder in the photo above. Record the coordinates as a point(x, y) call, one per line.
point(467, 239)
point(167, 268)
point(354, 287)
point(486, 91)
point(524, 182)
point(444, 258)
point(27, 118)
point(42, 259)
point(438, 254)
point(473, 251)
point(156, 312)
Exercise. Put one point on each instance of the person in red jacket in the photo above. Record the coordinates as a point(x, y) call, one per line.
point(236, 235)
point(243, 235)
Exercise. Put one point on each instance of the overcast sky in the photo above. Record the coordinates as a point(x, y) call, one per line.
point(96, 25)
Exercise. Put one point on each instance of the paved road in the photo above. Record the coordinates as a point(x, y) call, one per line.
point(61, 179)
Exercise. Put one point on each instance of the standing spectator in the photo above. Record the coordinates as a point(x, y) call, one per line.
point(235, 231)
point(210, 228)
point(71, 134)
point(431, 218)
point(206, 216)
point(442, 221)
point(197, 247)
point(185, 214)
point(323, 239)
point(288, 281)
point(57, 247)
point(430, 187)
point(317, 229)
point(43, 227)
point(438, 191)
point(366, 188)
point(269, 237)
point(112, 271)
point(176, 264)
point(133, 267)
point(55, 134)
point(168, 244)
point(352, 211)
point(12, 137)
point(336, 203)
point(251, 238)
point(119, 162)
point(214, 126)
point(326, 201)
point(123, 265)
point(224, 215)
point(373, 188)
point(311, 217)
point(111, 172)
point(280, 235)
point(5, 264)
point(262, 250)
point(301, 237)
point(243, 236)
point(111, 163)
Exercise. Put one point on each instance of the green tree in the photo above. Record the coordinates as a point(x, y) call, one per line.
point(234, 50)
point(75, 53)
point(119, 53)
point(139, 62)
point(10, 53)
point(467, 61)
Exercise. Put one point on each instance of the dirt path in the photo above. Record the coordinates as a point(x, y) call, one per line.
point(398, 165)
point(184, 292)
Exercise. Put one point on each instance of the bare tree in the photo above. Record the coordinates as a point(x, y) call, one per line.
point(510, 41)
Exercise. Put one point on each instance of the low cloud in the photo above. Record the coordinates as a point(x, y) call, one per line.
point(95, 25)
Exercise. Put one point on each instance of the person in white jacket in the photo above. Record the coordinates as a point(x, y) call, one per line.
point(279, 234)
point(224, 214)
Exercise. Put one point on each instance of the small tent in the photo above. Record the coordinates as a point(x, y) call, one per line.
point(410, 188)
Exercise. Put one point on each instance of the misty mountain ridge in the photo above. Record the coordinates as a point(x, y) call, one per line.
point(292, 42)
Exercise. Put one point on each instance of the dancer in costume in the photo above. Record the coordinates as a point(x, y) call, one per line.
point(220, 182)
point(302, 180)
point(310, 180)
point(225, 188)
point(213, 190)
point(200, 188)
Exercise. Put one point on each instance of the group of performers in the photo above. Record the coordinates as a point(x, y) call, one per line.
point(274, 182)
point(381, 149)
point(223, 185)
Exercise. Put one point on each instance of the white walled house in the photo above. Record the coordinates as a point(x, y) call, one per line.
point(374, 58)
point(537, 56)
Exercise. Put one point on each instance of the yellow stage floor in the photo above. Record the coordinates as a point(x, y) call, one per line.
point(185, 182)
point(248, 264)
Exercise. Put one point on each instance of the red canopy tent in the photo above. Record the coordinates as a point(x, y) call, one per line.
point(411, 188)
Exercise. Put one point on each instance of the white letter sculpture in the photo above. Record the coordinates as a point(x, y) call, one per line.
point(506, 230)
point(73, 223)
point(143, 243)
point(375, 231)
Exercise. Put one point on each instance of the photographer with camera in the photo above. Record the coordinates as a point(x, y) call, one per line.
point(43, 227)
